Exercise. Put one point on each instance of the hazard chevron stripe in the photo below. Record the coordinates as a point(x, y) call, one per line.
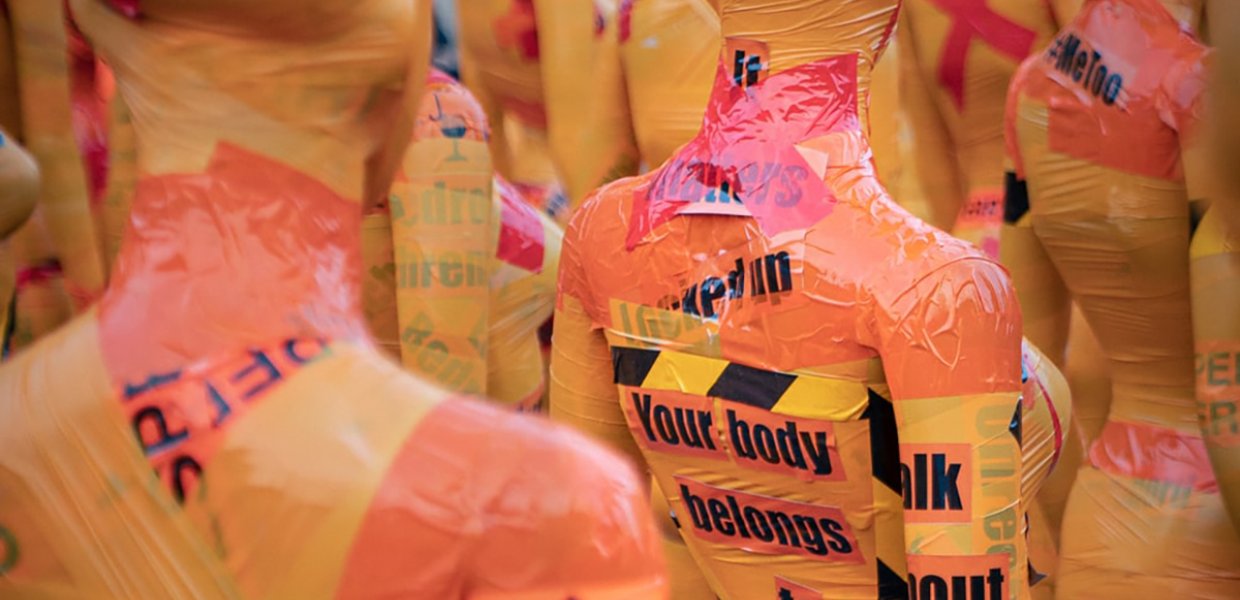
point(800, 395)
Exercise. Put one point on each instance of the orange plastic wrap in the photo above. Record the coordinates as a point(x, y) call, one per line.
point(669, 49)
point(1097, 124)
point(475, 262)
point(965, 52)
point(787, 350)
point(226, 429)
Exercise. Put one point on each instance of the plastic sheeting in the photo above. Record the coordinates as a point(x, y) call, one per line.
point(758, 322)
point(469, 264)
point(1215, 256)
point(220, 426)
point(966, 52)
point(1101, 128)
point(669, 50)
point(57, 256)
point(532, 63)
point(19, 185)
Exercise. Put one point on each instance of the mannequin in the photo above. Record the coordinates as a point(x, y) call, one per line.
point(532, 64)
point(475, 328)
point(710, 294)
point(1110, 162)
point(57, 255)
point(965, 52)
point(669, 50)
point(19, 178)
point(228, 354)
point(1215, 255)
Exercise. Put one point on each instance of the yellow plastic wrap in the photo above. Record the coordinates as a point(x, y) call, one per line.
point(1215, 256)
point(669, 49)
point(588, 125)
point(1215, 273)
point(226, 428)
point(475, 263)
point(535, 62)
point(499, 52)
point(47, 130)
point(19, 190)
point(965, 52)
point(757, 321)
point(122, 178)
point(1097, 124)
point(438, 236)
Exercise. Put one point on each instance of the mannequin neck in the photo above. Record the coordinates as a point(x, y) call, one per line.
point(795, 36)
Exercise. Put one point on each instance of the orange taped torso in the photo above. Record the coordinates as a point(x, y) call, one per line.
point(270, 486)
point(744, 288)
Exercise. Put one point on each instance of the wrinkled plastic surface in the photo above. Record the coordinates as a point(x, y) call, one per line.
point(475, 262)
point(1100, 123)
point(669, 50)
point(230, 344)
point(122, 178)
point(760, 287)
point(965, 52)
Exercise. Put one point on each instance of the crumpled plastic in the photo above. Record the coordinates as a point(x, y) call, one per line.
point(220, 425)
point(757, 321)
point(1100, 126)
